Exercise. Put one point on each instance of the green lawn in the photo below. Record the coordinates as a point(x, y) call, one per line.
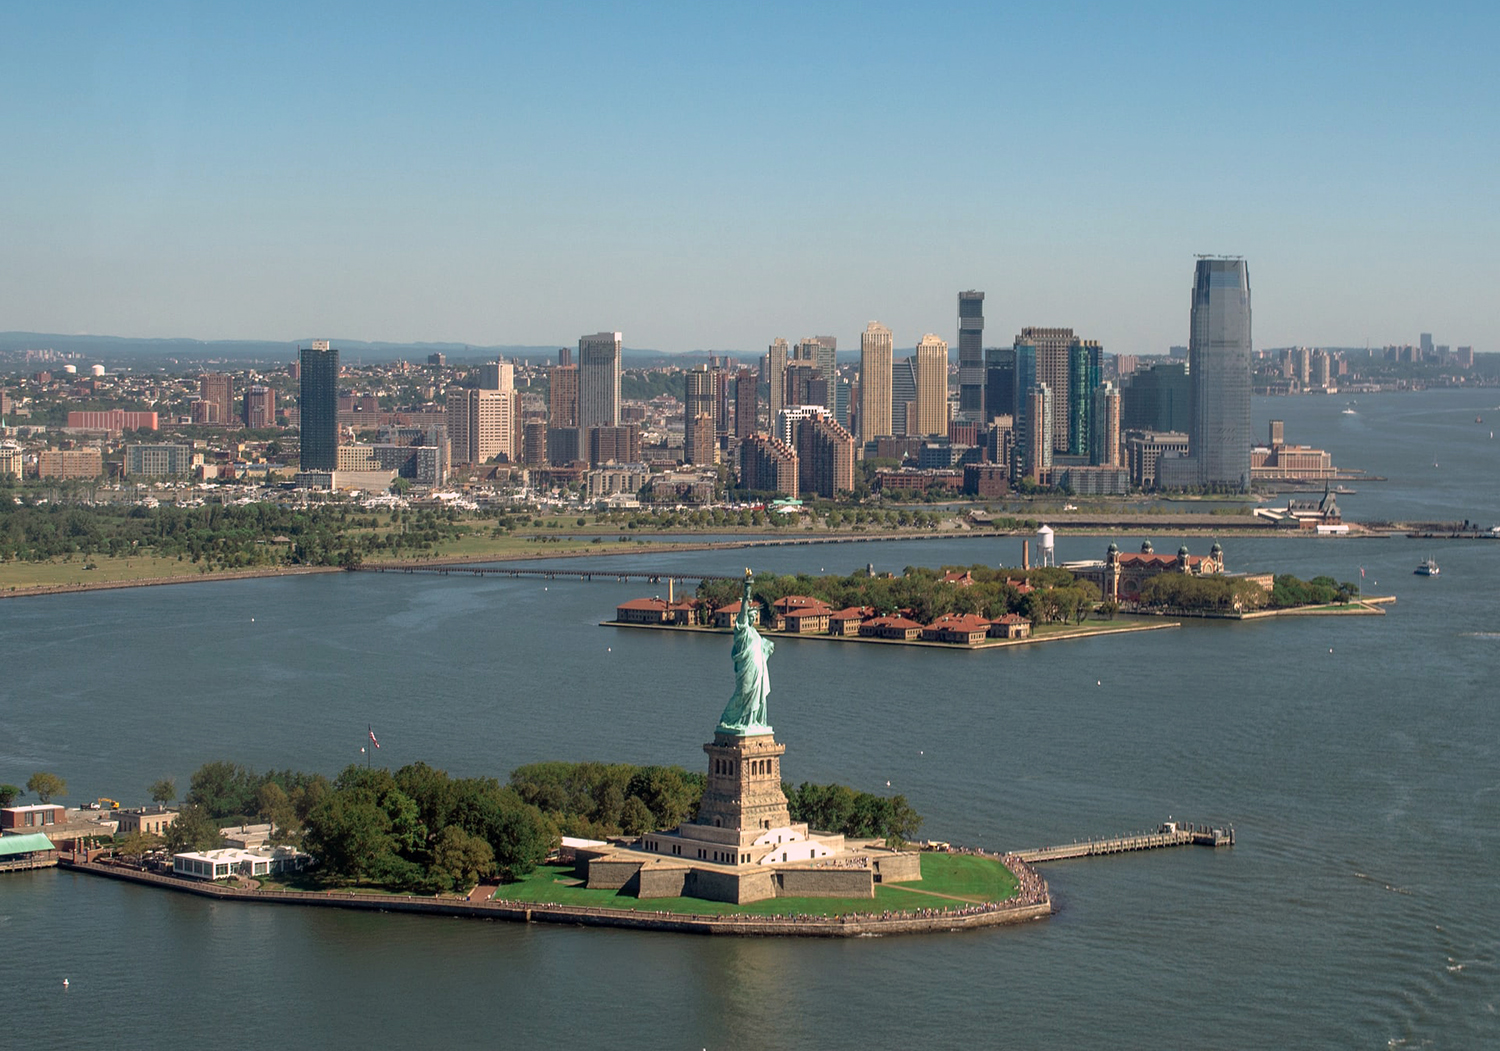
point(960, 879)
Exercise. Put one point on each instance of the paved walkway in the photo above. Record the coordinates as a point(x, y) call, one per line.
point(484, 892)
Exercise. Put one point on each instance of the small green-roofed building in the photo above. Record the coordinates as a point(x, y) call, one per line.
point(15, 847)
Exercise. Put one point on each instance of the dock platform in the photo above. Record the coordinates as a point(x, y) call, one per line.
point(1169, 834)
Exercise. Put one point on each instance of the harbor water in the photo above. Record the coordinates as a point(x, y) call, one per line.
point(1355, 756)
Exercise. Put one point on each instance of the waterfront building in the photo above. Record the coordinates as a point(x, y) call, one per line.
point(216, 389)
point(1219, 356)
point(1276, 461)
point(971, 367)
point(154, 820)
point(158, 461)
point(562, 396)
point(768, 464)
point(260, 408)
point(318, 406)
point(1122, 576)
point(599, 379)
point(930, 364)
point(876, 347)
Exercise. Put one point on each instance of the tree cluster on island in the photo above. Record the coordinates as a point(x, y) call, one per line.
point(1048, 596)
point(420, 829)
point(1223, 593)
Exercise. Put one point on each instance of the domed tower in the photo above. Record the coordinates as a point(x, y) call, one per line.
point(1216, 556)
point(1182, 559)
point(1146, 548)
point(1112, 572)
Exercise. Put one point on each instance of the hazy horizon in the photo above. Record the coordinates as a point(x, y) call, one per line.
point(705, 177)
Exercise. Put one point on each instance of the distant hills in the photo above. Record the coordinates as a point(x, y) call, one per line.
point(148, 353)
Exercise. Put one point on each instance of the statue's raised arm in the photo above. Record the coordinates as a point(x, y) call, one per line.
point(745, 714)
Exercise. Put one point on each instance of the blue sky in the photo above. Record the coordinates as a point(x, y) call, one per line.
point(713, 176)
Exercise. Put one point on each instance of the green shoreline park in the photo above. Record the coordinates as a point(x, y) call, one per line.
point(418, 830)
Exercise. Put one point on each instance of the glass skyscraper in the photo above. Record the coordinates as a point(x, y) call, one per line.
point(971, 356)
point(1219, 370)
point(318, 406)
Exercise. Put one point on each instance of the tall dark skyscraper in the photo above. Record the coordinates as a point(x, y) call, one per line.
point(318, 406)
point(599, 380)
point(1219, 369)
point(971, 356)
point(999, 382)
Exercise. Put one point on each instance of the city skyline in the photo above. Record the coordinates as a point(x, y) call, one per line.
point(212, 174)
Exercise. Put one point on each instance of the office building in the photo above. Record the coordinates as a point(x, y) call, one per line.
point(215, 389)
point(599, 380)
point(619, 444)
point(562, 396)
point(903, 397)
point(746, 403)
point(1052, 368)
point(483, 425)
point(876, 347)
point(1219, 366)
point(999, 382)
point(971, 356)
point(564, 445)
point(158, 461)
point(1144, 451)
point(318, 406)
point(930, 364)
point(699, 400)
point(777, 357)
point(260, 407)
point(497, 375)
point(1157, 399)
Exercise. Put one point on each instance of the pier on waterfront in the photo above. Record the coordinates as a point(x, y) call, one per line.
point(1170, 834)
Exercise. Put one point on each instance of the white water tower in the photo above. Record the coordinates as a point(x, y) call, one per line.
point(1045, 553)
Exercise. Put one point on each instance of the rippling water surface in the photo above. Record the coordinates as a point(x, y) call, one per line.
point(1355, 756)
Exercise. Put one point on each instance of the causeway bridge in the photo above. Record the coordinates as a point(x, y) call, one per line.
point(1170, 834)
point(650, 576)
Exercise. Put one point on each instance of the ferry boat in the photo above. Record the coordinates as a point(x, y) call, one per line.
point(1428, 568)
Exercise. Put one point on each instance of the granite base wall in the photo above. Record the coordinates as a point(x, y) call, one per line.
point(898, 868)
point(825, 883)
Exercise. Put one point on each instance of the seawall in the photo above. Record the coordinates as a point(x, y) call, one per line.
point(853, 926)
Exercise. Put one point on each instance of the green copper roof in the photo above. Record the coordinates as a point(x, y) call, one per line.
point(10, 845)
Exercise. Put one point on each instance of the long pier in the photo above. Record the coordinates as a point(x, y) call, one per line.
point(1170, 834)
point(650, 576)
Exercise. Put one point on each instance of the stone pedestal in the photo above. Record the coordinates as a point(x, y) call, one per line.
point(744, 786)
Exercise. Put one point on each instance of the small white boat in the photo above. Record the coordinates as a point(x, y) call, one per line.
point(1427, 568)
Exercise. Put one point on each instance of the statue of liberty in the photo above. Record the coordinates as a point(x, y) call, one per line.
point(745, 714)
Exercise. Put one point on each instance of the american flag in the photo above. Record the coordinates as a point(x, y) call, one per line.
point(372, 737)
